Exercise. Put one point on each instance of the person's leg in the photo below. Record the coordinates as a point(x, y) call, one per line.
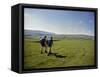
point(49, 51)
point(46, 49)
point(41, 50)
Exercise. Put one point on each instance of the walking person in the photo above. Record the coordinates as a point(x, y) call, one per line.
point(43, 43)
point(50, 44)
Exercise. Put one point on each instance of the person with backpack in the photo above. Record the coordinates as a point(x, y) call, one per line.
point(43, 43)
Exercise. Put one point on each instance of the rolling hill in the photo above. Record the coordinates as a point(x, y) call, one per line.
point(38, 33)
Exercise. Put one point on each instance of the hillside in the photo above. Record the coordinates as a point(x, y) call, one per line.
point(38, 33)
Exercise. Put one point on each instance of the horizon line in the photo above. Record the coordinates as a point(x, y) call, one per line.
point(61, 33)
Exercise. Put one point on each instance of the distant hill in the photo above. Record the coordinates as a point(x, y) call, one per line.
point(38, 33)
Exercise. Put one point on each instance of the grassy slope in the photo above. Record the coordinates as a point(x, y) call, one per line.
point(77, 52)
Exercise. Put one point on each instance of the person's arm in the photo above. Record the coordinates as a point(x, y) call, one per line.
point(52, 43)
point(45, 42)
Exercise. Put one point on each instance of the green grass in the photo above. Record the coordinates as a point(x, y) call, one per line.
point(76, 52)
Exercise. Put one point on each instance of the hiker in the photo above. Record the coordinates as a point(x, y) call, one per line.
point(50, 43)
point(43, 44)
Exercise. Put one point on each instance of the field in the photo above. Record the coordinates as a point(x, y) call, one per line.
point(67, 52)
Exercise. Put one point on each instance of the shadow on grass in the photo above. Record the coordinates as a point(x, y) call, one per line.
point(57, 55)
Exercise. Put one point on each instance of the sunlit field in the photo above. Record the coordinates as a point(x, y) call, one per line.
point(67, 53)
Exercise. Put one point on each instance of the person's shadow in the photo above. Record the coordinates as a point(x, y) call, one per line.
point(57, 55)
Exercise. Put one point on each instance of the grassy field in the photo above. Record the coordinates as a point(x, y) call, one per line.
point(69, 53)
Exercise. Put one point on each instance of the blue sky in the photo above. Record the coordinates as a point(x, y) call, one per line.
point(59, 21)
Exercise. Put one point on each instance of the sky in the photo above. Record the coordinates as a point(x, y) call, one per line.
point(59, 21)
